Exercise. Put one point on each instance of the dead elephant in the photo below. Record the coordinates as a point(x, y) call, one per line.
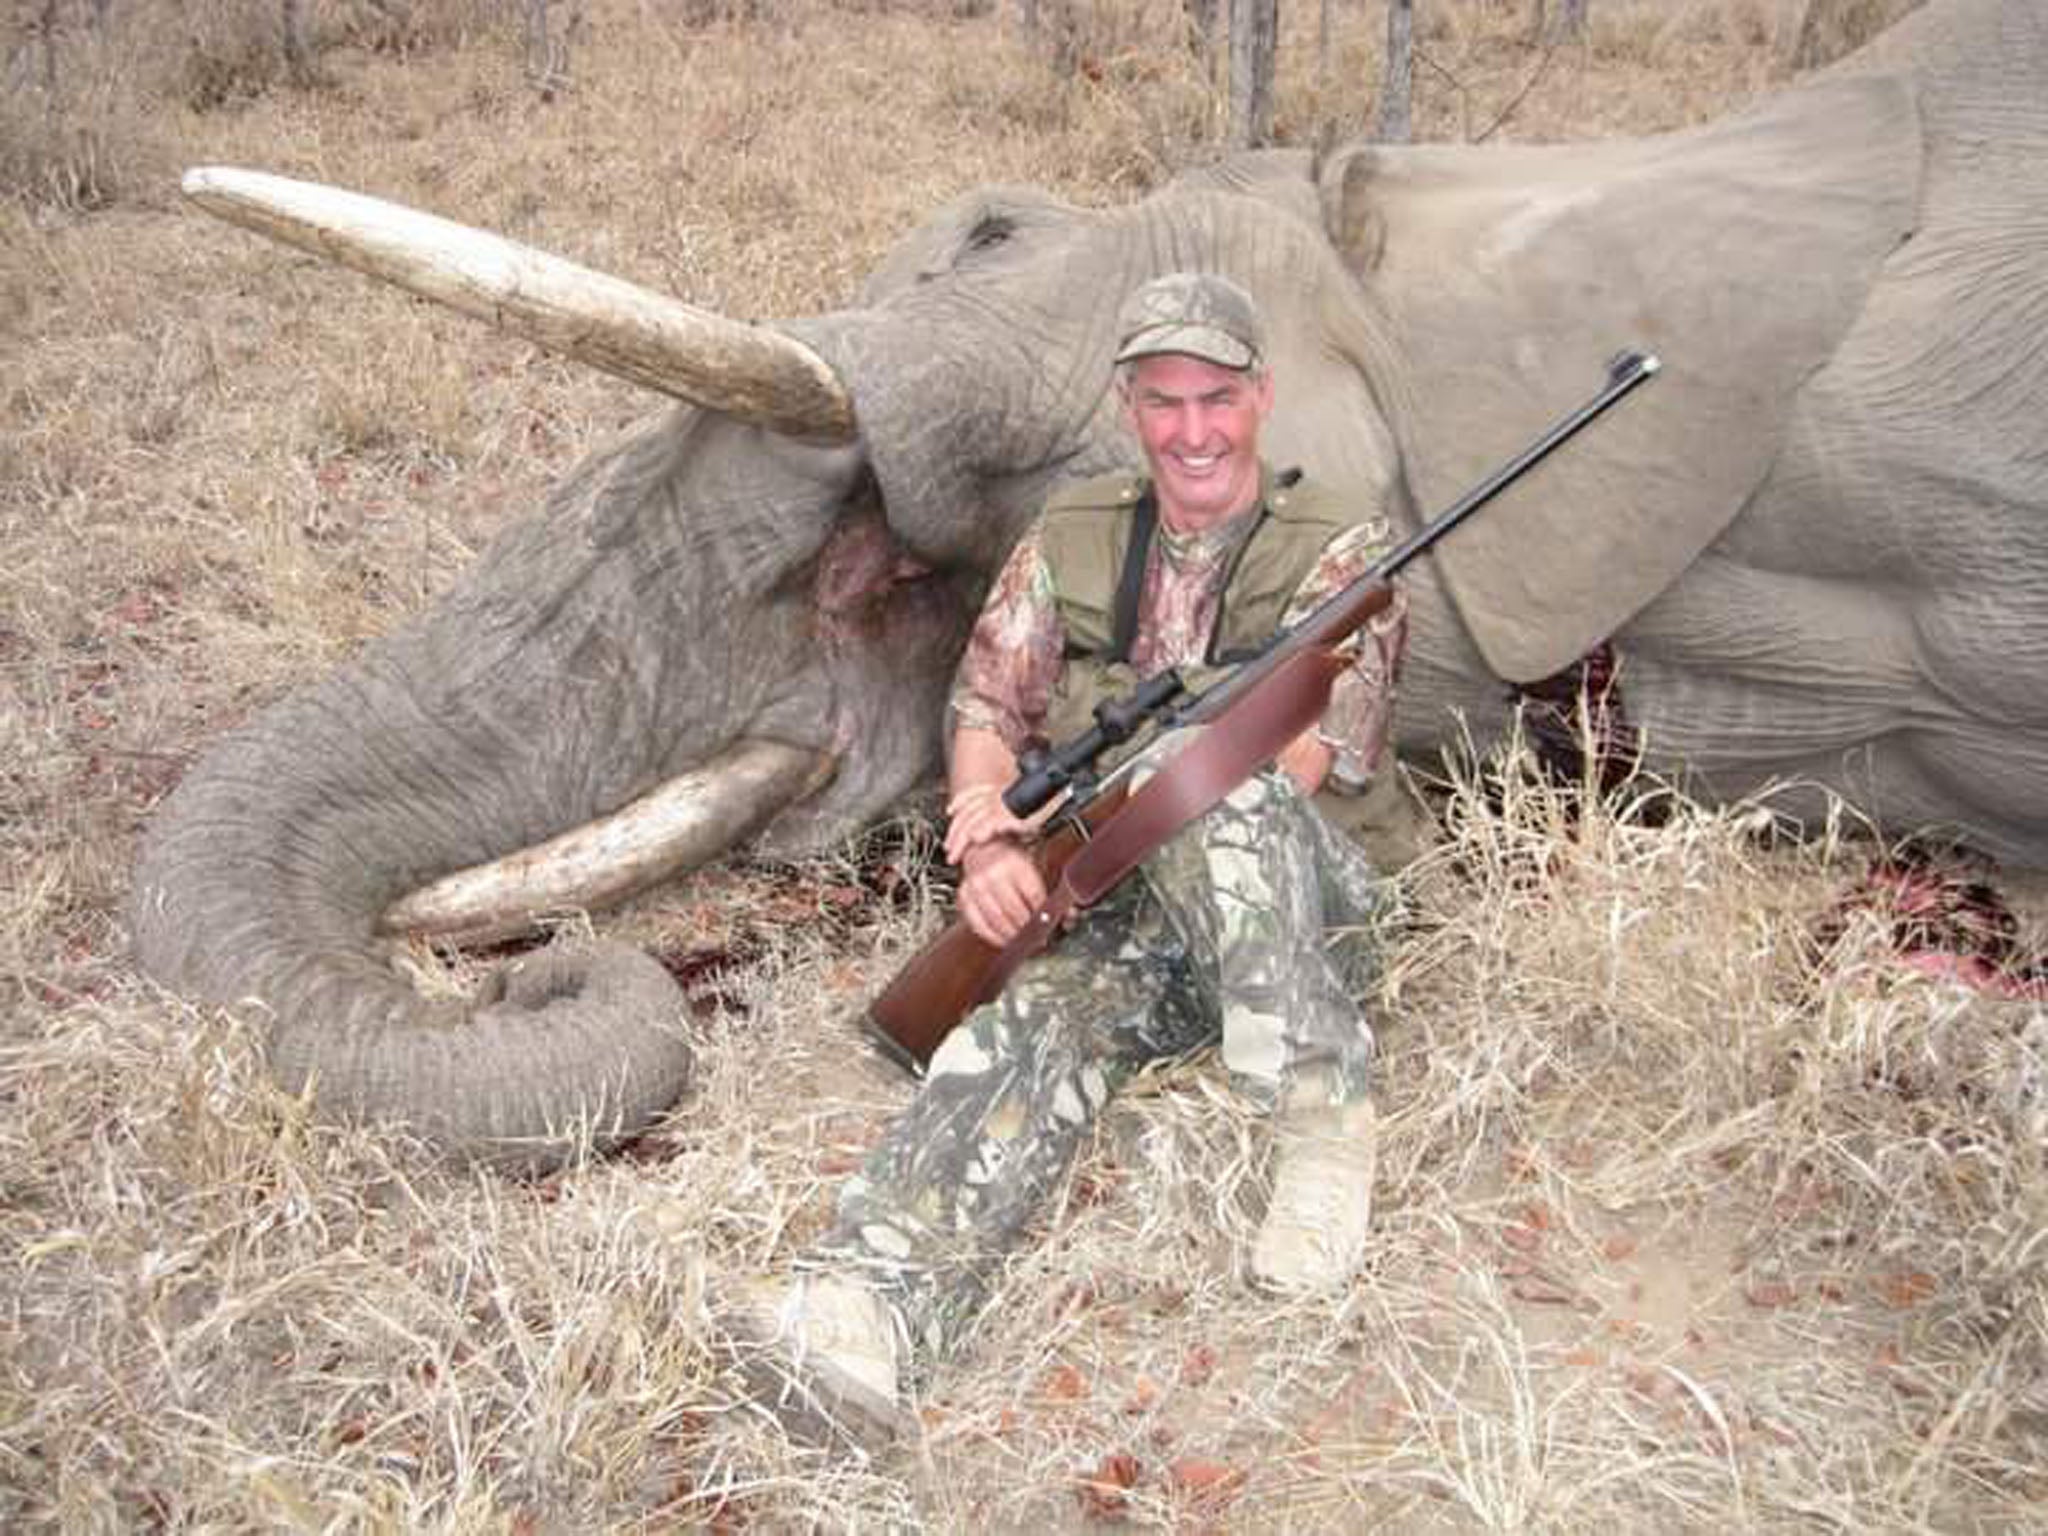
point(1819, 543)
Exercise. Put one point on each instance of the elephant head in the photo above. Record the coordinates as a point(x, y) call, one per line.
point(741, 620)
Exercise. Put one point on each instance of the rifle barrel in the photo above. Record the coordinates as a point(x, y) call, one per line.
point(1333, 618)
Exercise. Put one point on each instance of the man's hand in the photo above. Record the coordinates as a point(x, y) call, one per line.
point(1308, 759)
point(1000, 887)
point(977, 815)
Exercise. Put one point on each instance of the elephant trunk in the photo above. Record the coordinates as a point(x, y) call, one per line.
point(265, 877)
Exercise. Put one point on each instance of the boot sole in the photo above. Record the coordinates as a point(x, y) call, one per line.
point(817, 1404)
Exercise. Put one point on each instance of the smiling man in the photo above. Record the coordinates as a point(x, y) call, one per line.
point(1222, 939)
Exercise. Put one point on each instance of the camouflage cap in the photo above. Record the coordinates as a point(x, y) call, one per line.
point(1198, 314)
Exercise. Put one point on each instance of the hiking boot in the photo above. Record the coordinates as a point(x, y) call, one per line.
point(1313, 1238)
point(821, 1352)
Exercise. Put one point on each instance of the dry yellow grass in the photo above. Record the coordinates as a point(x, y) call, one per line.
point(1683, 1224)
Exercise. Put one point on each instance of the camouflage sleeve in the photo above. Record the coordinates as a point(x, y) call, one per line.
point(1360, 717)
point(1013, 659)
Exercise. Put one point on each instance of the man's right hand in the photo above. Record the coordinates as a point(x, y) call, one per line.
point(1000, 887)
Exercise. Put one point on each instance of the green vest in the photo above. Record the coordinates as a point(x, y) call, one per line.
point(1086, 531)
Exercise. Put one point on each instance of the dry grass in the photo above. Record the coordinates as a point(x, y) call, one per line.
point(1685, 1223)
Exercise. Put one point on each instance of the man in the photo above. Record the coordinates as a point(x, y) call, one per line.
point(1220, 937)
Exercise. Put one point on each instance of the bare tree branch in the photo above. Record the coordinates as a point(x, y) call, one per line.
point(1254, 32)
point(1395, 121)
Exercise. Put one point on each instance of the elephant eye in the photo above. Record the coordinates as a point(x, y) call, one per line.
point(990, 231)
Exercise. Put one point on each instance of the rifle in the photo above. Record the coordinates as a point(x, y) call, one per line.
point(1106, 828)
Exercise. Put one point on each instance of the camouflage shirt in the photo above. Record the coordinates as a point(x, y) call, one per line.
point(1014, 657)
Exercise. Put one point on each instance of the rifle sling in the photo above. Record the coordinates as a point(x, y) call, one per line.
point(1230, 749)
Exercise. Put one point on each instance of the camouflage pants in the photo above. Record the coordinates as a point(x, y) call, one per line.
point(1224, 939)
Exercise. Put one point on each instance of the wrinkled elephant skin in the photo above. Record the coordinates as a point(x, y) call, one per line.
point(1817, 545)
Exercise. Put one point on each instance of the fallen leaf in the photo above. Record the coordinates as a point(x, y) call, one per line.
point(1906, 1288)
point(1545, 1292)
point(1103, 1491)
point(137, 608)
point(1063, 1383)
point(1770, 1293)
point(1652, 1386)
point(1144, 1393)
point(1618, 1247)
point(1076, 1296)
point(1522, 1239)
point(1198, 1365)
point(1091, 1187)
point(1211, 1484)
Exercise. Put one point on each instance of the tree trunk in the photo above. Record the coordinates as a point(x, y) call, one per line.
point(1395, 123)
point(548, 45)
point(1323, 125)
point(298, 56)
point(1565, 24)
point(1254, 30)
point(48, 26)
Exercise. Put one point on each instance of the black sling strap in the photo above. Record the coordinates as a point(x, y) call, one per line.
point(1130, 581)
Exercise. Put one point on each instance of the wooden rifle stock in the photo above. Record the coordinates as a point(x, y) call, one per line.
point(958, 971)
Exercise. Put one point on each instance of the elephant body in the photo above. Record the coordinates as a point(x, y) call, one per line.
point(1872, 623)
point(1816, 544)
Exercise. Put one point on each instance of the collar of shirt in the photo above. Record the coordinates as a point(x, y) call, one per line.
point(1206, 546)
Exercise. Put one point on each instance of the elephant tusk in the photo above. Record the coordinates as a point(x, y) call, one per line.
point(748, 372)
point(693, 817)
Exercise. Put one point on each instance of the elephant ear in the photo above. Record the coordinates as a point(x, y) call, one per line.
point(1739, 253)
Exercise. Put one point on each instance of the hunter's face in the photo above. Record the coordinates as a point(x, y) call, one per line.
point(1198, 423)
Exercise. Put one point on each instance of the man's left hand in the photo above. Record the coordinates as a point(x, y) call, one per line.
point(977, 815)
point(1308, 760)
